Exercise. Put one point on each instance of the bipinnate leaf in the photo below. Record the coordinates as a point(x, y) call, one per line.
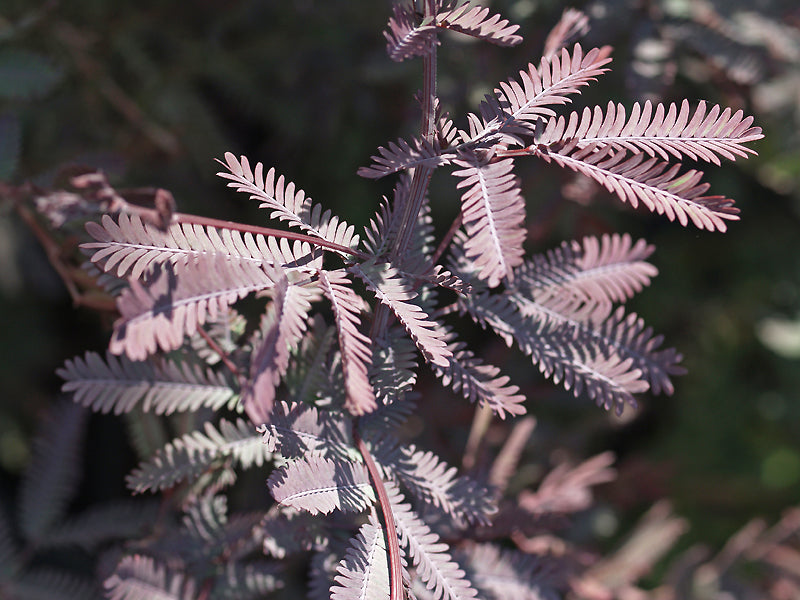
point(429, 554)
point(433, 481)
point(51, 478)
point(404, 38)
point(666, 132)
point(282, 328)
point(568, 489)
point(100, 524)
point(563, 351)
point(139, 577)
point(573, 23)
point(120, 385)
point(286, 202)
point(46, 583)
point(502, 574)
point(197, 453)
point(587, 276)
point(319, 485)
point(171, 305)
point(517, 105)
point(248, 581)
point(353, 345)
point(468, 17)
point(363, 573)
point(403, 155)
point(393, 291)
point(299, 430)
point(493, 212)
point(130, 247)
point(660, 186)
point(480, 382)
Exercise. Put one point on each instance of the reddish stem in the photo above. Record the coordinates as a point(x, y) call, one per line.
point(392, 542)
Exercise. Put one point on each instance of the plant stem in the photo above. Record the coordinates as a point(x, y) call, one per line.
point(421, 177)
point(392, 542)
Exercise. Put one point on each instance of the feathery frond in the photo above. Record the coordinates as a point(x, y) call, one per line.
point(353, 345)
point(364, 571)
point(52, 476)
point(573, 23)
point(282, 327)
point(404, 38)
point(131, 247)
point(100, 524)
point(140, 577)
point(588, 275)
point(429, 554)
point(571, 357)
point(403, 155)
point(287, 203)
point(494, 217)
point(433, 481)
point(657, 184)
point(518, 104)
point(666, 133)
point(505, 574)
point(465, 16)
point(319, 485)
point(162, 386)
point(196, 453)
point(390, 288)
point(300, 430)
point(160, 313)
point(480, 382)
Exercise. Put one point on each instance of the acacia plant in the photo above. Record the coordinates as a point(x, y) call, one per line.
point(315, 383)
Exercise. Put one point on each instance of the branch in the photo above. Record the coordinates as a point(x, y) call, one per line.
point(392, 541)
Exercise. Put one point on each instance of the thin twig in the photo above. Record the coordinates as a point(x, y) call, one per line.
point(392, 542)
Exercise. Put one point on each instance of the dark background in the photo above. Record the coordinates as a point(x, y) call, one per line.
point(152, 92)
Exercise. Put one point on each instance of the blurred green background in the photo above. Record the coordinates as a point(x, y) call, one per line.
point(153, 91)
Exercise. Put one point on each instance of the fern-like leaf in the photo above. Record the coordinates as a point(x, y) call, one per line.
point(320, 485)
point(196, 453)
point(130, 247)
point(248, 581)
point(354, 345)
point(160, 313)
point(52, 476)
point(99, 525)
point(494, 217)
point(657, 184)
point(573, 23)
point(140, 577)
point(589, 275)
point(363, 573)
point(287, 203)
point(391, 289)
point(563, 351)
point(403, 155)
point(404, 38)
point(429, 554)
point(502, 574)
point(282, 327)
point(661, 131)
point(480, 382)
point(529, 99)
point(301, 430)
point(434, 481)
point(118, 384)
point(465, 16)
